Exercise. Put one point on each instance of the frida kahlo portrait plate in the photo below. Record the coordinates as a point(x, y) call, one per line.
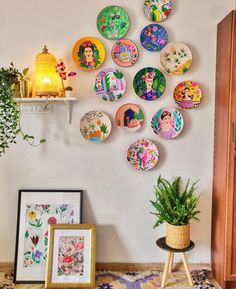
point(95, 126)
point(154, 37)
point(130, 117)
point(143, 155)
point(167, 123)
point(176, 58)
point(113, 22)
point(88, 53)
point(188, 94)
point(157, 10)
point(110, 84)
point(149, 83)
point(125, 52)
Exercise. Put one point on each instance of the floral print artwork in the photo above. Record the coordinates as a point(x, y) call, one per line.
point(167, 123)
point(176, 58)
point(157, 10)
point(113, 22)
point(143, 155)
point(37, 219)
point(153, 37)
point(71, 256)
point(125, 53)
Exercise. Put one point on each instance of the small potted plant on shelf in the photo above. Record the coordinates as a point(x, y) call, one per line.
point(176, 208)
point(68, 91)
point(10, 125)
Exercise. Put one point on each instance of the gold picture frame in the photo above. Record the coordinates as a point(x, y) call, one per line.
point(71, 256)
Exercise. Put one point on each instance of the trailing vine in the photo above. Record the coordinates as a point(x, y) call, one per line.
point(10, 125)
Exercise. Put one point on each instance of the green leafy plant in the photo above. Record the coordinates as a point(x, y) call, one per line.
point(173, 205)
point(10, 125)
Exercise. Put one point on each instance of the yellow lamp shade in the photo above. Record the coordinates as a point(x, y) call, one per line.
point(47, 80)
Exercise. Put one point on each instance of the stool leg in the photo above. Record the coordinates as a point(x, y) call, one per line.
point(187, 269)
point(163, 281)
point(171, 262)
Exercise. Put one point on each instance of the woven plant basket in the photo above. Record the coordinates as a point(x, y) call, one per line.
point(178, 237)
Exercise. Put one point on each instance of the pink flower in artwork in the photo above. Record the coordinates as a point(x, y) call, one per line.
point(154, 28)
point(46, 234)
point(68, 259)
point(79, 246)
point(52, 220)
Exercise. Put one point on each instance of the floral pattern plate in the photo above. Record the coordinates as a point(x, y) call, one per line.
point(154, 37)
point(95, 126)
point(130, 117)
point(149, 83)
point(110, 84)
point(167, 123)
point(124, 52)
point(176, 58)
point(157, 10)
point(113, 22)
point(88, 53)
point(188, 94)
point(143, 155)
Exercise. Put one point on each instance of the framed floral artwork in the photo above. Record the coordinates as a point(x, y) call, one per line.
point(37, 209)
point(71, 256)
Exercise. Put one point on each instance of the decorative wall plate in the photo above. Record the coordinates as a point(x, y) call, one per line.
point(110, 84)
point(124, 52)
point(157, 10)
point(130, 117)
point(176, 58)
point(154, 37)
point(113, 22)
point(149, 83)
point(143, 155)
point(88, 53)
point(95, 126)
point(188, 94)
point(167, 122)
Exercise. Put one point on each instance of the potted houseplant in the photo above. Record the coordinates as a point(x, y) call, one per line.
point(68, 91)
point(175, 207)
point(10, 125)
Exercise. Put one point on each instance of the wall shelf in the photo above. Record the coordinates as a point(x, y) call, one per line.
point(40, 104)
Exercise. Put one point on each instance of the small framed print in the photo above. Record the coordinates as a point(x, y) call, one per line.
point(71, 256)
point(37, 209)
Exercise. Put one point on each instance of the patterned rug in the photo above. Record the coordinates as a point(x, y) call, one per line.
point(134, 280)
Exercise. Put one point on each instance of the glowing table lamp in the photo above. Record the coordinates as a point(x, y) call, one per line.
point(47, 80)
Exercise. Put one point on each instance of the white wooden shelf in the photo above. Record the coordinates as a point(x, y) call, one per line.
point(39, 104)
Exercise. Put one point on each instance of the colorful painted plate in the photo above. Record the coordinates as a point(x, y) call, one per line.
point(124, 52)
point(149, 83)
point(154, 37)
point(113, 22)
point(110, 84)
point(157, 10)
point(176, 58)
point(95, 126)
point(188, 94)
point(88, 53)
point(167, 122)
point(130, 117)
point(143, 155)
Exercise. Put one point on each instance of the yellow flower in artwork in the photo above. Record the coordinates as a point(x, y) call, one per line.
point(32, 215)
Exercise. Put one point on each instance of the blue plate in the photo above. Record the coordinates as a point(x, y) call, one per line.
point(154, 37)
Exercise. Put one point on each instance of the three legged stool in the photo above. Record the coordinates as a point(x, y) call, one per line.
point(170, 256)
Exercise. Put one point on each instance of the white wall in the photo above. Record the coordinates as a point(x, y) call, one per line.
point(116, 196)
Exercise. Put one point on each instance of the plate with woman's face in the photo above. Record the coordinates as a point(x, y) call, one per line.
point(149, 83)
point(167, 123)
point(157, 10)
point(129, 117)
point(95, 126)
point(88, 53)
point(110, 84)
point(124, 52)
point(176, 58)
point(188, 94)
point(154, 37)
point(113, 22)
point(143, 155)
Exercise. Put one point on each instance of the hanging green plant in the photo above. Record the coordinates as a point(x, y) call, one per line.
point(10, 125)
